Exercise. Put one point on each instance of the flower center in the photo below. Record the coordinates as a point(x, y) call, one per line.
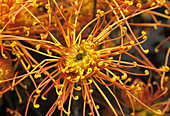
point(79, 61)
point(79, 56)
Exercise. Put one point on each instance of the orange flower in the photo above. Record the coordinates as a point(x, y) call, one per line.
point(74, 62)
point(17, 21)
point(6, 72)
point(146, 94)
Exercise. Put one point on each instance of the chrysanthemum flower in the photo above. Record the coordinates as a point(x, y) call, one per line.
point(7, 73)
point(76, 62)
point(147, 95)
point(15, 20)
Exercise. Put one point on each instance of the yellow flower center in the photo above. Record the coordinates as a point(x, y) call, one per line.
point(79, 61)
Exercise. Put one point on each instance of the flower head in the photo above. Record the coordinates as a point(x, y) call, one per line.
point(6, 72)
point(147, 95)
point(82, 56)
point(15, 20)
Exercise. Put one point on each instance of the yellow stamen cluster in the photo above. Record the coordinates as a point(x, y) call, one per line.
point(80, 61)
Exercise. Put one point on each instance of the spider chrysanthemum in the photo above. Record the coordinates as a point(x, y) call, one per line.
point(77, 57)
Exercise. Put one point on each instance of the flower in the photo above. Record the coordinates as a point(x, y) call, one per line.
point(6, 72)
point(82, 62)
point(15, 20)
point(73, 62)
point(147, 95)
point(7, 76)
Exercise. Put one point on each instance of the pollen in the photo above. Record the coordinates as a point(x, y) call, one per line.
point(36, 105)
point(132, 42)
point(44, 98)
point(91, 90)
point(76, 97)
point(78, 88)
point(37, 76)
point(146, 72)
point(146, 51)
point(139, 5)
point(80, 61)
point(97, 106)
point(38, 91)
